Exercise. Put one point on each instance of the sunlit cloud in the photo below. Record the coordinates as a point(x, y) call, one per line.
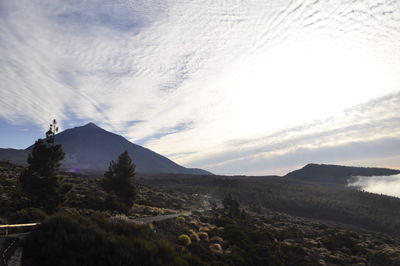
point(208, 83)
point(388, 185)
point(367, 132)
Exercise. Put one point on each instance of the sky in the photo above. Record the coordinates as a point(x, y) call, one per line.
point(234, 87)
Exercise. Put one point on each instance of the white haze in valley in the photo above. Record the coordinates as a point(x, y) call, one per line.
point(387, 185)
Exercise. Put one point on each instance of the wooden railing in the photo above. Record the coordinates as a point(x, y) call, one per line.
point(7, 226)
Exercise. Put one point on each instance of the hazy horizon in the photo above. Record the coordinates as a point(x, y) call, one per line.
point(245, 87)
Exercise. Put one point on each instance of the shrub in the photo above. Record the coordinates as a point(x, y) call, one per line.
point(203, 236)
point(204, 229)
point(2, 220)
point(66, 240)
point(217, 239)
point(216, 248)
point(193, 224)
point(236, 235)
point(193, 236)
point(184, 239)
point(92, 200)
point(28, 215)
point(112, 202)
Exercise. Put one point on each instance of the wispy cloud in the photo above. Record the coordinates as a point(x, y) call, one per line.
point(218, 81)
point(164, 132)
point(363, 133)
point(388, 185)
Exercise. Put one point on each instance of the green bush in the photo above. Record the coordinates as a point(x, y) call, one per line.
point(91, 200)
point(184, 239)
point(203, 236)
point(112, 202)
point(28, 215)
point(194, 236)
point(66, 240)
point(236, 235)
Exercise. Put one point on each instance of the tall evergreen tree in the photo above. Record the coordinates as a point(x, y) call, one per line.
point(231, 206)
point(119, 183)
point(40, 182)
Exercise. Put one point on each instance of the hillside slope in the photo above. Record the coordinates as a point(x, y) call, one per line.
point(306, 199)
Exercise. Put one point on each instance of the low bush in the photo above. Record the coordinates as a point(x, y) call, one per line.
point(194, 236)
point(28, 215)
point(184, 239)
point(203, 236)
point(67, 240)
point(112, 203)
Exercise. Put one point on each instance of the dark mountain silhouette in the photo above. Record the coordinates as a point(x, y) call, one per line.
point(14, 156)
point(336, 174)
point(91, 148)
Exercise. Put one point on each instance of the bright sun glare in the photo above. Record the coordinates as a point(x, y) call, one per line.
point(304, 81)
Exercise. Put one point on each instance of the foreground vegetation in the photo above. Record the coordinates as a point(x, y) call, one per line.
point(74, 240)
point(87, 196)
point(83, 231)
point(210, 238)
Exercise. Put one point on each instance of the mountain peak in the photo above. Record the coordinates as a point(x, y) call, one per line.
point(92, 125)
point(91, 148)
point(311, 165)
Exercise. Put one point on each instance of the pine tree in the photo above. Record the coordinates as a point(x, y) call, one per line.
point(119, 183)
point(40, 182)
point(231, 206)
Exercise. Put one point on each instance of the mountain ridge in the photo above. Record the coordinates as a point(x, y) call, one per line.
point(336, 174)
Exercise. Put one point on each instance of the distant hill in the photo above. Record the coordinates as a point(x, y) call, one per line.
point(336, 174)
point(91, 148)
point(14, 156)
